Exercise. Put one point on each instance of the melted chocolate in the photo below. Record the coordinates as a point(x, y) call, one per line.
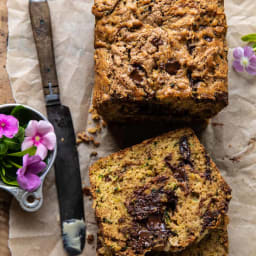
point(207, 38)
point(157, 41)
point(136, 75)
point(190, 46)
point(147, 211)
point(208, 170)
point(172, 66)
point(209, 219)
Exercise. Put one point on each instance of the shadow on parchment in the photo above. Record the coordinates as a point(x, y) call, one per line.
point(126, 135)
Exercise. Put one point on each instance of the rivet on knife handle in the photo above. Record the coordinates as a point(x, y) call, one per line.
point(42, 31)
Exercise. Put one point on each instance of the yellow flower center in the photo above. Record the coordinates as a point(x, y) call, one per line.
point(3, 124)
point(245, 62)
point(37, 138)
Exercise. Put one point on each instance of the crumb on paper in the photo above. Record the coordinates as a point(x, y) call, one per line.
point(104, 124)
point(92, 130)
point(87, 191)
point(93, 153)
point(90, 238)
point(83, 137)
point(217, 124)
point(95, 143)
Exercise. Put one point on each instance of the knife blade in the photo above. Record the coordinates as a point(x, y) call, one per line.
point(67, 170)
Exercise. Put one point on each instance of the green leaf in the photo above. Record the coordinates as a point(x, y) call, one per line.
point(14, 164)
point(20, 135)
point(254, 47)
point(11, 144)
point(3, 148)
point(8, 180)
point(22, 114)
point(249, 38)
point(31, 151)
point(6, 165)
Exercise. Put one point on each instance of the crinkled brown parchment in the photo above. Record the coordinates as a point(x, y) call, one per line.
point(230, 137)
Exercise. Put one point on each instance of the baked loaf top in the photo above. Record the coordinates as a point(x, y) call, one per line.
point(162, 194)
point(213, 244)
point(160, 51)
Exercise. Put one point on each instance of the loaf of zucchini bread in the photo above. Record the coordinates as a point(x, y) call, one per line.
point(164, 194)
point(160, 60)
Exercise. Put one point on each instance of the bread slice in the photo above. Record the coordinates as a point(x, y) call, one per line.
point(160, 60)
point(213, 244)
point(163, 194)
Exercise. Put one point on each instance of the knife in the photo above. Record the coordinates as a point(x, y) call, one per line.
point(67, 170)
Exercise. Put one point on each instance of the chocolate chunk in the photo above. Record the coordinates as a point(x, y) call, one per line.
point(185, 150)
point(121, 220)
point(209, 219)
point(190, 46)
point(136, 75)
point(157, 41)
point(156, 202)
point(208, 170)
point(207, 38)
point(193, 83)
point(172, 66)
point(155, 222)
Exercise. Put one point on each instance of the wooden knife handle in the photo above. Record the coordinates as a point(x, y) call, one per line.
point(42, 31)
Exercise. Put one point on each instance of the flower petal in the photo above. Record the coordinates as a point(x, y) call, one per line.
point(237, 66)
point(27, 143)
point(253, 61)
point(49, 140)
point(248, 51)
point(12, 126)
point(41, 151)
point(34, 160)
point(44, 127)
point(31, 129)
point(36, 168)
point(251, 70)
point(238, 53)
point(25, 160)
point(29, 182)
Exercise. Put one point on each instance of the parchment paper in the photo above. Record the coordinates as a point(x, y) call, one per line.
point(230, 137)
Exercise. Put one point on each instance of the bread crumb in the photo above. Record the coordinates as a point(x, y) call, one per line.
point(92, 130)
point(87, 191)
point(93, 153)
point(104, 124)
point(90, 238)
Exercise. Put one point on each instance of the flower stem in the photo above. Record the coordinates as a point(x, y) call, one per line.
point(14, 164)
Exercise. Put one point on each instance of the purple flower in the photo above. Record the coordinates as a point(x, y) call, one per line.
point(9, 126)
point(245, 59)
point(40, 134)
point(27, 176)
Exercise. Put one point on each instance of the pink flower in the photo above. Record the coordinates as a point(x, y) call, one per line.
point(9, 126)
point(40, 134)
point(27, 176)
point(245, 59)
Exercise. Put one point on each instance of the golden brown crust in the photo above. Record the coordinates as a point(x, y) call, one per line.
point(160, 59)
point(165, 193)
